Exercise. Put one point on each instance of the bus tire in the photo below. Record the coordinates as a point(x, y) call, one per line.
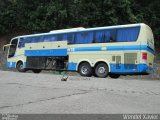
point(36, 70)
point(20, 67)
point(101, 70)
point(115, 76)
point(85, 69)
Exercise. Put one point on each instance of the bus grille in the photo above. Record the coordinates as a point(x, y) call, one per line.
point(130, 60)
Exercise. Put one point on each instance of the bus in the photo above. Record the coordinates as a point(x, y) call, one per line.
point(100, 51)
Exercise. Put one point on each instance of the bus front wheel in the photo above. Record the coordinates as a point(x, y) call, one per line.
point(20, 67)
point(85, 69)
point(101, 70)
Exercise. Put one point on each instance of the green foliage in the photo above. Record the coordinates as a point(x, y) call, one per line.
point(44, 15)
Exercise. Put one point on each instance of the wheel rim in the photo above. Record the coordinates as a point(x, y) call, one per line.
point(21, 66)
point(84, 70)
point(101, 70)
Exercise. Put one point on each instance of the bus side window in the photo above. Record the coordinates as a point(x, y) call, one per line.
point(62, 37)
point(70, 38)
point(127, 34)
point(84, 37)
point(107, 36)
point(21, 43)
point(49, 38)
point(40, 39)
point(113, 34)
point(89, 37)
point(79, 38)
point(27, 40)
point(102, 36)
point(35, 39)
point(98, 37)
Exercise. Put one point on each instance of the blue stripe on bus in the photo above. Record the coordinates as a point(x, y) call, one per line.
point(113, 48)
point(120, 68)
point(129, 68)
point(47, 52)
point(63, 52)
point(11, 64)
point(72, 66)
point(88, 49)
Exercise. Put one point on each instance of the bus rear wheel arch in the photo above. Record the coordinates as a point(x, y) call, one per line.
point(85, 69)
point(101, 70)
point(20, 66)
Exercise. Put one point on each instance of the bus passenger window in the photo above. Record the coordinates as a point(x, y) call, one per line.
point(50, 38)
point(127, 34)
point(84, 38)
point(62, 37)
point(113, 34)
point(102, 36)
point(70, 38)
point(21, 43)
point(111, 39)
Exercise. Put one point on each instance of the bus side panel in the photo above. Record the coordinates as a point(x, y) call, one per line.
point(58, 48)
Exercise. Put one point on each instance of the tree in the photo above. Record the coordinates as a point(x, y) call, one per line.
point(42, 16)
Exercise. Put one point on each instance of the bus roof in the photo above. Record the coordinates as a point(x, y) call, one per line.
point(81, 30)
point(67, 30)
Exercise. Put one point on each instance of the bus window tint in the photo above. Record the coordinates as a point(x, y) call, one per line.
point(37, 39)
point(70, 38)
point(102, 36)
point(21, 43)
point(84, 38)
point(28, 40)
point(49, 38)
point(62, 37)
point(127, 34)
point(113, 34)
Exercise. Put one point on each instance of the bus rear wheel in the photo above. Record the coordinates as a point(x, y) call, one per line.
point(101, 70)
point(20, 67)
point(36, 70)
point(85, 69)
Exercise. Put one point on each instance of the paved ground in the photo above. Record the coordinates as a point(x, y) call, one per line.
point(46, 93)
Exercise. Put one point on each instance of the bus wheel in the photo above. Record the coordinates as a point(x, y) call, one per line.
point(114, 75)
point(85, 69)
point(101, 70)
point(20, 67)
point(36, 70)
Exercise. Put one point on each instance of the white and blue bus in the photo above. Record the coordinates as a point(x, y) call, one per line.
point(102, 51)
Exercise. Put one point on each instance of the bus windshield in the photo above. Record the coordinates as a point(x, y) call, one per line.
point(12, 48)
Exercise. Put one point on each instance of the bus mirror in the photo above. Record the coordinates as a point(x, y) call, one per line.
point(5, 47)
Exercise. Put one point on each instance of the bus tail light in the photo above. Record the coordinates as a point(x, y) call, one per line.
point(144, 56)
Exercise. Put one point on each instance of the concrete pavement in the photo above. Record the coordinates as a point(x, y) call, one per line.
point(46, 93)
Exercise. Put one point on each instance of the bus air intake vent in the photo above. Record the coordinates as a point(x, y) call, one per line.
point(130, 60)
